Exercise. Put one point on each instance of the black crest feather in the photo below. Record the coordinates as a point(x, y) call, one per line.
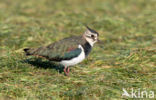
point(91, 30)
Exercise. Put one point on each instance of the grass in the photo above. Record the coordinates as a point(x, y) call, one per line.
point(125, 58)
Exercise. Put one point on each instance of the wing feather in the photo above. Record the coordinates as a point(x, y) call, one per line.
point(61, 50)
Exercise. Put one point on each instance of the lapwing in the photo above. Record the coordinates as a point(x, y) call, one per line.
point(68, 51)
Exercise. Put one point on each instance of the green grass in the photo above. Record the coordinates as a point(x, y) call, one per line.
point(126, 58)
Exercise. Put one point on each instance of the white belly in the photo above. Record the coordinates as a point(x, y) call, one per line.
point(76, 60)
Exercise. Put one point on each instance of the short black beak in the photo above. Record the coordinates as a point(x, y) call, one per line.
point(98, 41)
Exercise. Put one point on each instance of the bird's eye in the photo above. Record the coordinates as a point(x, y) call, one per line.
point(92, 36)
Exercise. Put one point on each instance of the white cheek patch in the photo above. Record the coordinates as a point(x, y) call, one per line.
point(90, 41)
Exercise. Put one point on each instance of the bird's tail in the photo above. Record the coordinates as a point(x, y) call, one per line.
point(29, 51)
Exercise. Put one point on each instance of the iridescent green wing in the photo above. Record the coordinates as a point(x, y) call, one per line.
point(62, 50)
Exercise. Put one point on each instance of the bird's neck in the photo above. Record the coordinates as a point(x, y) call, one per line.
point(87, 48)
point(88, 40)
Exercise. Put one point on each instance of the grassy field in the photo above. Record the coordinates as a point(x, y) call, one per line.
point(126, 57)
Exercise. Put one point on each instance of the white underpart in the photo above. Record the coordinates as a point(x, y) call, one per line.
point(76, 60)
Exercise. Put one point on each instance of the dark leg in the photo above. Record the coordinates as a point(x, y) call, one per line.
point(65, 70)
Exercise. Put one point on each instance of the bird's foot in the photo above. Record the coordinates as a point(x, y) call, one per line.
point(66, 71)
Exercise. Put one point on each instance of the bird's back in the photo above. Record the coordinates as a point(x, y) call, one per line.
point(57, 51)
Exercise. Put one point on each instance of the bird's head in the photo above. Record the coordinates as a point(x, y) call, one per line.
point(91, 36)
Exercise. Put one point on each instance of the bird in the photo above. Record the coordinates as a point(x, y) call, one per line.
point(68, 51)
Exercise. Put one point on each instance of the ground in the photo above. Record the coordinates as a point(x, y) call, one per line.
point(125, 58)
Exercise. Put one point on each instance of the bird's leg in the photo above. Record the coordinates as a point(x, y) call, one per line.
point(65, 70)
point(68, 70)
